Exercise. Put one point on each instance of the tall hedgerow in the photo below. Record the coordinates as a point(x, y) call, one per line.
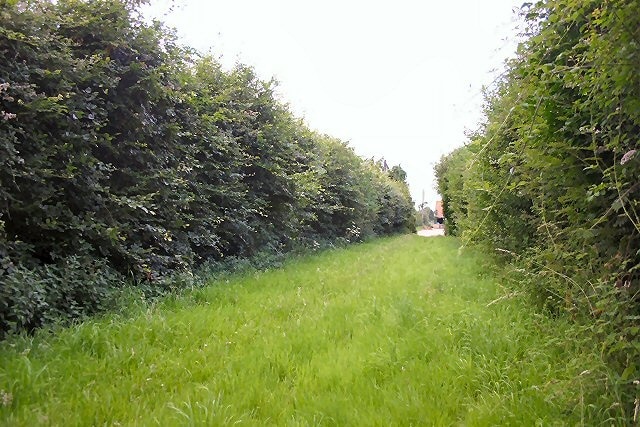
point(126, 156)
point(552, 178)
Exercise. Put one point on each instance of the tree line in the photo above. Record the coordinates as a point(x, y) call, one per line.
point(125, 156)
point(551, 180)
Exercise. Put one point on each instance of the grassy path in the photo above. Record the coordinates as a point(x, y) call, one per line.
point(392, 332)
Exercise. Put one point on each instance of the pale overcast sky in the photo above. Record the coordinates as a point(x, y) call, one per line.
point(397, 79)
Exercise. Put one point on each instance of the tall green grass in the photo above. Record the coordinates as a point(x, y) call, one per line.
point(399, 331)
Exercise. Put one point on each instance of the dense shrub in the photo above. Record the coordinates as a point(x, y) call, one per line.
point(124, 156)
point(552, 177)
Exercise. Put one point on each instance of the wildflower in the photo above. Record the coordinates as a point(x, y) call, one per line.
point(7, 116)
point(627, 156)
point(5, 398)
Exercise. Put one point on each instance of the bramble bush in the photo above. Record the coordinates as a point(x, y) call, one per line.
point(551, 180)
point(127, 157)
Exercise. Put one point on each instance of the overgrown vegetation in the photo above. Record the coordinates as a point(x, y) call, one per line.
point(124, 156)
point(552, 180)
point(397, 331)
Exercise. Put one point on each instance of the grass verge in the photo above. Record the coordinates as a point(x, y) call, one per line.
point(398, 331)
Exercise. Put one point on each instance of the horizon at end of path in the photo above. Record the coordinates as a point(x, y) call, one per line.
point(432, 232)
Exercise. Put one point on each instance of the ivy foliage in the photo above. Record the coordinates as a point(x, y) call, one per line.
point(552, 179)
point(125, 155)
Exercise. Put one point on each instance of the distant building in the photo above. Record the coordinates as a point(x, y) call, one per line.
point(439, 212)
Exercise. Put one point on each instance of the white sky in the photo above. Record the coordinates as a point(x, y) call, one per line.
point(397, 79)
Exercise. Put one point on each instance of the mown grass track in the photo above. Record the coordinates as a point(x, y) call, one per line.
point(398, 331)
